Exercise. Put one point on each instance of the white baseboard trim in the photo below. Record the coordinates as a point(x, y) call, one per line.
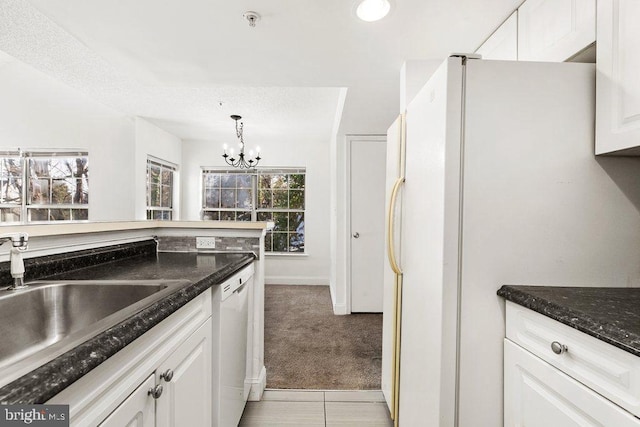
point(338, 309)
point(296, 280)
point(258, 385)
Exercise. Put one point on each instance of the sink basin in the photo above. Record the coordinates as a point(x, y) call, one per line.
point(50, 317)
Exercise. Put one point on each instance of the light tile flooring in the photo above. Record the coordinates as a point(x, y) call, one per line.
point(317, 409)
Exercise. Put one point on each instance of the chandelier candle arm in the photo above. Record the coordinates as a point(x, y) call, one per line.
point(242, 162)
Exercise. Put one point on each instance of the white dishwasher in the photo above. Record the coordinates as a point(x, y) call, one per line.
point(230, 327)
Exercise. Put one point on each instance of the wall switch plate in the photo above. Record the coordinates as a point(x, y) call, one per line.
point(205, 242)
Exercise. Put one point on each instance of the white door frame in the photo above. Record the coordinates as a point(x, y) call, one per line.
point(349, 140)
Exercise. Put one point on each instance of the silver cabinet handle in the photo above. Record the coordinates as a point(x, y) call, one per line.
point(156, 391)
point(558, 348)
point(356, 235)
point(167, 375)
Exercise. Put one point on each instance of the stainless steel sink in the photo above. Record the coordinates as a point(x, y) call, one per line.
point(49, 318)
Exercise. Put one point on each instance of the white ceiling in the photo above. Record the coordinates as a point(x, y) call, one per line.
point(173, 61)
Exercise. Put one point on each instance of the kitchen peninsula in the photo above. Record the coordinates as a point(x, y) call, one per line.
point(98, 375)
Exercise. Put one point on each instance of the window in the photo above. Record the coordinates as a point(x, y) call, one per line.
point(57, 186)
point(160, 178)
point(276, 195)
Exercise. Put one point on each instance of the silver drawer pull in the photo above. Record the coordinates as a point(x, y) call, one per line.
point(558, 348)
point(156, 391)
point(167, 376)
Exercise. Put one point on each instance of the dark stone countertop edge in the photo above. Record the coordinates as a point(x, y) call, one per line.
point(41, 384)
point(576, 319)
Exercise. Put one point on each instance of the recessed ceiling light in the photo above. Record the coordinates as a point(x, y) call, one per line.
point(373, 10)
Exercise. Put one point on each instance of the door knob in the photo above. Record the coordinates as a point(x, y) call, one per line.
point(356, 235)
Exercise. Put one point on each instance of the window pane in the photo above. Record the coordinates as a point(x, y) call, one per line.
point(227, 216)
point(211, 216)
point(296, 221)
point(80, 214)
point(212, 180)
point(264, 199)
point(167, 176)
point(296, 181)
point(39, 189)
point(155, 195)
point(244, 181)
point(280, 199)
point(9, 214)
point(279, 181)
point(264, 216)
point(268, 242)
point(243, 216)
point(11, 180)
point(166, 196)
point(59, 214)
point(296, 242)
point(228, 181)
point(264, 182)
point(212, 198)
point(280, 219)
point(154, 175)
point(61, 192)
point(38, 214)
point(228, 198)
point(296, 199)
point(244, 199)
point(280, 242)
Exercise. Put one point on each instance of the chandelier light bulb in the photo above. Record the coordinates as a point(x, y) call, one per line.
point(250, 153)
point(373, 10)
point(258, 150)
point(225, 147)
point(231, 151)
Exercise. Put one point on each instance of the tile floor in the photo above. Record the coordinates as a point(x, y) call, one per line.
point(317, 409)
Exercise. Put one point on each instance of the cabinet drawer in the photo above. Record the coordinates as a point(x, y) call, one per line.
point(538, 395)
point(610, 371)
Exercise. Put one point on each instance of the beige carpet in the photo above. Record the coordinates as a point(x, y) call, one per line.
point(308, 347)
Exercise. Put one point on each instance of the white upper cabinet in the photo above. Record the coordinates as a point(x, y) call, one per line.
point(617, 82)
point(555, 30)
point(503, 43)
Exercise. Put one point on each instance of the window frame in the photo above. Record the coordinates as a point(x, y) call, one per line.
point(255, 210)
point(164, 166)
point(26, 206)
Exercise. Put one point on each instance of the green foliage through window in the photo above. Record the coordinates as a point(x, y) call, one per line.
point(274, 195)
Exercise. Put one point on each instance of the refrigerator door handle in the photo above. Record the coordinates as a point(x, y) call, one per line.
point(390, 221)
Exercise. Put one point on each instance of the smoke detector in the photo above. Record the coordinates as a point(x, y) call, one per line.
point(252, 17)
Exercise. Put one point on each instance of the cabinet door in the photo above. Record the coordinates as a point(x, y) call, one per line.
point(538, 395)
point(186, 400)
point(617, 83)
point(138, 410)
point(555, 30)
point(503, 43)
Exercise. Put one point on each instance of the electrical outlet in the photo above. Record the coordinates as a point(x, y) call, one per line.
point(205, 242)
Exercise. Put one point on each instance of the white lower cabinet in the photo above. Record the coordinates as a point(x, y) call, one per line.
point(138, 410)
point(557, 376)
point(538, 395)
point(186, 379)
point(177, 394)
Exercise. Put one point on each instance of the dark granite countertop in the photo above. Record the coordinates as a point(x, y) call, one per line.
point(202, 270)
point(609, 314)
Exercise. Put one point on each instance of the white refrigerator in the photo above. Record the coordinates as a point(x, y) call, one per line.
point(501, 186)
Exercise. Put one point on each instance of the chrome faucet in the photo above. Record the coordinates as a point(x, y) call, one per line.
point(19, 244)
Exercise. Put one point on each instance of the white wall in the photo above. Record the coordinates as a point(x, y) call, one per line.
point(37, 111)
point(314, 266)
point(153, 141)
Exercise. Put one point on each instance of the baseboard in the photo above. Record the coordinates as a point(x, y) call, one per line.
point(258, 385)
point(296, 280)
point(338, 309)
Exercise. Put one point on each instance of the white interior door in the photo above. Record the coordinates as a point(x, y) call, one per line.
point(367, 193)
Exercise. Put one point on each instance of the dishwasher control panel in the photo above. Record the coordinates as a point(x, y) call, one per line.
point(236, 281)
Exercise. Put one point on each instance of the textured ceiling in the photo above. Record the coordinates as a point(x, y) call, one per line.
point(172, 61)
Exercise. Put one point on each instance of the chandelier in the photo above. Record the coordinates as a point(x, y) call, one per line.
point(243, 161)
